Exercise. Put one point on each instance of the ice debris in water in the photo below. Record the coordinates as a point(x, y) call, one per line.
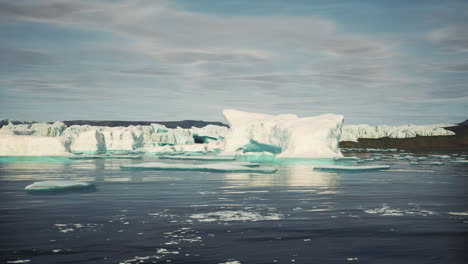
point(350, 168)
point(386, 210)
point(19, 261)
point(458, 213)
point(58, 186)
point(228, 216)
point(231, 262)
point(345, 158)
point(212, 167)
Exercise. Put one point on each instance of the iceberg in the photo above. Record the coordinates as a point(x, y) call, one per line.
point(286, 135)
point(212, 167)
point(54, 186)
point(14, 145)
point(338, 168)
point(354, 132)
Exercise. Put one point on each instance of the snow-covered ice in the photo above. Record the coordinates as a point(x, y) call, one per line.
point(212, 167)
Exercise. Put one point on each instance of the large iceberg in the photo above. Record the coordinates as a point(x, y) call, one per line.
point(287, 135)
point(354, 132)
point(15, 145)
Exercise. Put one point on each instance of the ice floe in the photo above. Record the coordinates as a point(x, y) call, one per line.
point(350, 168)
point(211, 167)
point(386, 210)
point(46, 186)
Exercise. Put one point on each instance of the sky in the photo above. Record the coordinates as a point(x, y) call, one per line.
point(375, 62)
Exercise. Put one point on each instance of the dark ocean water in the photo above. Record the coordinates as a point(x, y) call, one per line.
point(408, 214)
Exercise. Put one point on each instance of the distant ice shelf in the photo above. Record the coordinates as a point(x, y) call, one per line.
point(212, 167)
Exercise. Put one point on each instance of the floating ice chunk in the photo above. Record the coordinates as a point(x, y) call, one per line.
point(50, 186)
point(18, 261)
point(212, 167)
point(414, 163)
point(438, 163)
point(386, 210)
point(460, 161)
point(458, 213)
point(13, 145)
point(105, 157)
point(288, 135)
point(246, 164)
point(350, 168)
point(207, 158)
point(345, 158)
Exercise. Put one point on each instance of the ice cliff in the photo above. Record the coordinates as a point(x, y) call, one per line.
point(18, 145)
point(286, 135)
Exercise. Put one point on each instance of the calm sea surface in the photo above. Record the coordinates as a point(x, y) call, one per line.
point(408, 214)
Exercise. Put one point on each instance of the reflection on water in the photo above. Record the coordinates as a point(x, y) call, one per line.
point(291, 176)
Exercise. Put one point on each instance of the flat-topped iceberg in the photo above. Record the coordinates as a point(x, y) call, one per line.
point(57, 186)
point(286, 135)
point(211, 167)
point(350, 168)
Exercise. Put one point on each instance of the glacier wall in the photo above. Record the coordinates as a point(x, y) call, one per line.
point(354, 132)
point(250, 133)
point(286, 135)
